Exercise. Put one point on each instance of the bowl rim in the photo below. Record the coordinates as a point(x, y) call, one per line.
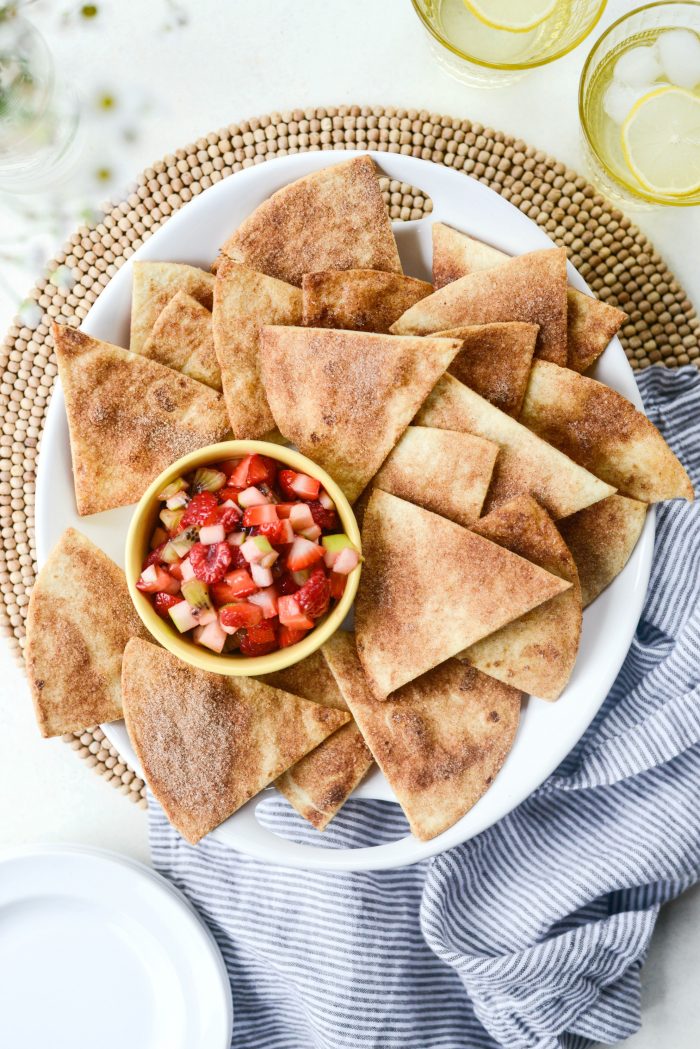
point(180, 645)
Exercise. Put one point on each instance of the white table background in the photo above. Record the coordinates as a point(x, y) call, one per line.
point(178, 70)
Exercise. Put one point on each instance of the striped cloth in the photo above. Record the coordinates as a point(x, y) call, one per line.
point(534, 933)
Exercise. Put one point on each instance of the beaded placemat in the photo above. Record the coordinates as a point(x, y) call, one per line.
point(613, 256)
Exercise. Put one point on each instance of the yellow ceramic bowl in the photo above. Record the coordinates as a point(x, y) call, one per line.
point(137, 546)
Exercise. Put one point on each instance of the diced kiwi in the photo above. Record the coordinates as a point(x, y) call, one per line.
point(171, 518)
point(196, 593)
point(206, 480)
point(178, 485)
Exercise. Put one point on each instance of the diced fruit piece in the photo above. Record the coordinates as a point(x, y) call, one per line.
point(286, 584)
point(291, 615)
point(208, 480)
point(301, 577)
point(210, 636)
point(259, 640)
point(252, 497)
point(303, 554)
point(198, 510)
point(229, 493)
point(176, 571)
point(311, 533)
point(228, 466)
point(280, 533)
point(238, 478)
point(300, 517)
point(186, 569)
point(183, 616)
point(236, 538)
point(178, 485)
point(239, 584)
point(325, 517)
point(240, 613)
point(284, 510)
point(268, 560)
point(285, 479)
point(210, 563)
point(177, 548)
point(164, 602)
point(346, 560)
point(205, 615)
point(172, 519)
point(289, 636)
point(228, 515)
point(255, 548)
point(209, 534)
point(262, 577)
point(337, 585)
point(266, 600)
point(314, 596)
point(325, 500)
point(176, 502)
point(333, 544)
point(196, 593)
point(158, 538)
point(262, 514)
point(155, 579)
point(261, 470)
point(154, 557)
point(305, 487)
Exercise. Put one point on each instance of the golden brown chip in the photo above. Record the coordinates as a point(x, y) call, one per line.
point(359, 300)
point(495, 361)
point(601, 539)
point(536, 652)
point(310, 679)
point(153, 286)
point(345, 397)
point(455, 255)
point(182, 339)
point(206, 742)
point(244, 301)
point(440, 741)
point(530, 288)
point(128, 418)
point(431, 588)
point(598, 428)
point(333, 219)
point(525, 464)
point(79, 620)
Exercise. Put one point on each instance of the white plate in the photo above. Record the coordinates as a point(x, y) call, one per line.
point(547, 731)
point(78, 925)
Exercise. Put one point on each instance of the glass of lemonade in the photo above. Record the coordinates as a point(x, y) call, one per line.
point(492, 42)
point(639, 101)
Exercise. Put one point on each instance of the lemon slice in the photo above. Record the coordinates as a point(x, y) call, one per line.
point(515, 16)
point(661, 141)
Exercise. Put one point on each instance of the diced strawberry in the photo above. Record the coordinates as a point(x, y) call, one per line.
point(337, 583)
point(303, 553)
point(291, 614)
point(228, 516)
point(155, 557)
point(211, 563)
point(258, 515)
point(259, 640)
point(305, 487)
point(162, 602)
point(279, 533)
point(176, 570)
point(240, 613)
point(229, 494)
point(267, 600)
point(239, 477)
point(228, 466)
point(288, 636)
point(284, 510)
point(236, 584)
point(261, 470)
point(314, 595)
point(198, 510)
point(237, 558)
point(286, 584)
point(154, 580)
point(324, 518)
point(285, 479)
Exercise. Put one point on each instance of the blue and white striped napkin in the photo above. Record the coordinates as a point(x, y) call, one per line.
point(534, 933)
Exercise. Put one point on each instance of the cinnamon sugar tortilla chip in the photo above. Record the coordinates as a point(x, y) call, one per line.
point(182, 339)
point(440, 741)
point(319, 785)
point(441, 470)
point(590, 323)
point(128, 418)
point(525, 464)
point(495, 361)
point(359, 300)
point(153, 286)
point(206, 742)
point(598, 428)
point(244, 301)
point(79, 620)
point(345, 397)
point(537, 652)
point(601, 539)
point(333, 219)
point(431, 588)
point(530, 288)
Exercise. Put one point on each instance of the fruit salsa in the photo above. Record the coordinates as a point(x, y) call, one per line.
point(247, 556)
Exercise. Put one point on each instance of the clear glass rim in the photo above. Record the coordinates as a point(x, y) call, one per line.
point(641, 193)
point(511, 66)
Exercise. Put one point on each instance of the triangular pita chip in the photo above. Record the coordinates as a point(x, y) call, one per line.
point(345, 397)
point(495, 361)
point(601, 539)
point(598, 428)
point(333, 219)
point(536, 652)
point(319, 785)
point(590, 323)
point(525, 464)
point(431, 588)
point(153, 286)
point(182, 339)
point(440, 741)
point(129, 418)
point(359, 300)
point(244, 301)
point(207, 742)
point(441, 470)
point(529, 288)
point(79, 621)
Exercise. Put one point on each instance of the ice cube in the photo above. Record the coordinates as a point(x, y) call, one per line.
point(639, 65)
point(679, 50)
point(619, 99)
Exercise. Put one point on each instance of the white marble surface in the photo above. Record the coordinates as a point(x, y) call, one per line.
point(227, 62)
